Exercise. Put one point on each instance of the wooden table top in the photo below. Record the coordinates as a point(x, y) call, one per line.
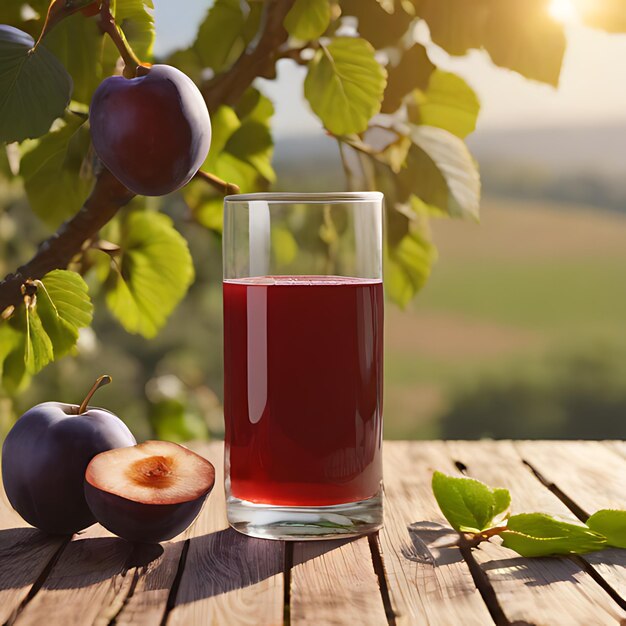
point(213, 575)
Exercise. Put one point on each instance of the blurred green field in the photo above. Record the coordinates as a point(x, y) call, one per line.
point(530, 281)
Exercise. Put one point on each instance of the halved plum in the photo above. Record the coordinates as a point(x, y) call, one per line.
point(150, 492)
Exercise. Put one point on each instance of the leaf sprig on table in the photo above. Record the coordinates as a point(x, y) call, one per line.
point(478, 512)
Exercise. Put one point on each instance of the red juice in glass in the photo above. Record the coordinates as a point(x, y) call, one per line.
point(303, 359)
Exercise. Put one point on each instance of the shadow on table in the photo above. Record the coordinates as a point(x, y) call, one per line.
point(215, 563)
point(28, 556)
point(431, 544)
point(539, 571)
point(225, 561)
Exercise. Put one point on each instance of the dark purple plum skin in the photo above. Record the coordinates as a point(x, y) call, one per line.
point(141, 522)
point(152, 132)
point(44, 458)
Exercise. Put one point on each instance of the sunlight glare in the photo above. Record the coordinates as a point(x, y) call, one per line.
point(564, 11)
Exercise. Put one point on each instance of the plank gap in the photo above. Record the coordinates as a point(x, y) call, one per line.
point(576, 509)
point(485, 588)
point(129, 595)
point(288, 559)
point(379, 569)
point(39, 581)
point(461, 467)
point(171, 598)
point(580, 560)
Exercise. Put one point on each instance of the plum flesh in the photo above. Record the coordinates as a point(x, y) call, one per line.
point(148, 493)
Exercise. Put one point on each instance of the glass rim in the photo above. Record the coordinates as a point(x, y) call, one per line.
point(288, 197)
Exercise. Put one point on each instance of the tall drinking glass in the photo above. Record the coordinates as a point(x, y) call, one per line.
point(303, 364)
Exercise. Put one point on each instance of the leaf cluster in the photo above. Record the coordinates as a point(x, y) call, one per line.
point(400, 122)
point(480, 512)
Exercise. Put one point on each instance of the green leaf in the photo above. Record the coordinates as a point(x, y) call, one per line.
point(12, 365)
point(396, 152)
point(152, 274)
point(56, 180)
point(234, 170)
point(210, 214)
point(136, 20)
point(502, 501)
point(241, 153)
point(537, 534)
point(188, 62)
point(77, 42)
point(253, 105)
point(35, 88)
point(45, 328)
point(224, 122)
point(388, 5)
point(308, 19)
point(412, 72)
point(612, 524)
point(455, 25)
point(38, 349)
point(10, 12)
point(441, 172)
point(253, 20)
point(468, 504)
point(252, 143)
point(448, 103)
point(408, 267)
point(173, 421)
point(64, 306)
point(345, 85)
point(376, 24)
point(608, 15)
point(218, 33)
point(284, 246)
point(522, 36)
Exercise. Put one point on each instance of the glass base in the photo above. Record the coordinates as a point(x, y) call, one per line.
point(305, 523)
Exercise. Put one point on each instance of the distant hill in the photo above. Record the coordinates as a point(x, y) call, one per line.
point(580, 165)
point(598, 148)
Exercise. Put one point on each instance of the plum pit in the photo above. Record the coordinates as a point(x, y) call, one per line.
point(153, 471)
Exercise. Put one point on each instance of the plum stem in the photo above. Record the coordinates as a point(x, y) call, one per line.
point(108, 25)
point(217, 183)
point(100, 382)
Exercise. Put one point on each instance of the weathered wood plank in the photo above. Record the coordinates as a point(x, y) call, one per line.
point(89, 574)
point(228, 578)
point(25, 553)
point(593, 476)
point(426, 585)
point(540, 591)
point(334, 582)
point(617, 446)
point(589, 472)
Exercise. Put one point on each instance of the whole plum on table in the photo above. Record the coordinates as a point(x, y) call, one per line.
point(153, 132)
point(45, 455)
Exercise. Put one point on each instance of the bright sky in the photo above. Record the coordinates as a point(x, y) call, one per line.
point(592, 89)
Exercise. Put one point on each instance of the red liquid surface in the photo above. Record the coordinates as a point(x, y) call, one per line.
point(303, 360)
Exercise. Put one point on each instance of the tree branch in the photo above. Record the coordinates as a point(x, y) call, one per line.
point(109, 195)
point(106, 198)
point(228, 87)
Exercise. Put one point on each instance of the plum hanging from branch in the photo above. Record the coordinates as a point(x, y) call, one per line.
point(153, 132)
